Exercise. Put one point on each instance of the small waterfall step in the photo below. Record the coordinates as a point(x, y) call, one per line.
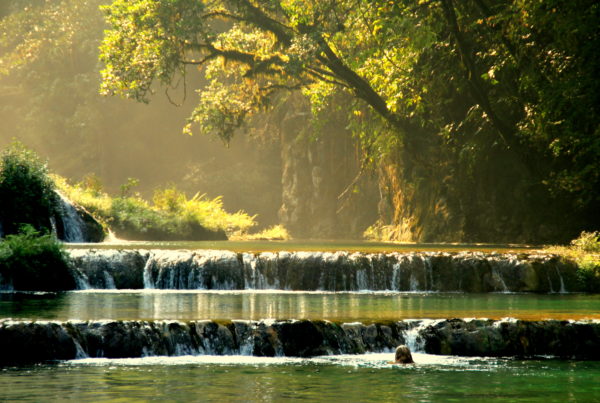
point(25, 342)
point(75, 224)
point(324, 271)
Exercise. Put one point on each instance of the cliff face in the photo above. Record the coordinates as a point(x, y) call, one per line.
point(494, 198)
point(438, 188)
point(323, 195)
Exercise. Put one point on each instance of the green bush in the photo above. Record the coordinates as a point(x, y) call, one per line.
point(584, 252)
point(588, 273)
point(27, 194)
point(171, 216)
point(133, 218)
point(587, 242)
point(35, 262)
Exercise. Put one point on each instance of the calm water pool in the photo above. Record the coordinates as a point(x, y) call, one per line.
point(255, 305)
point(366, 377)
point(341, 378)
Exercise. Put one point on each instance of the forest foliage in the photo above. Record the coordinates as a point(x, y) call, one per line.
point(34, 261)
point(49, 100)
point(494, 97)
point(27, 194)
point(478, 117)
point(170, 216)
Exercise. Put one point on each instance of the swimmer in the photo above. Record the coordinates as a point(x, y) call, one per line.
point(403, 355)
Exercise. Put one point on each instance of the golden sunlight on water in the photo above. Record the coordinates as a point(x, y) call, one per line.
point(271, 304)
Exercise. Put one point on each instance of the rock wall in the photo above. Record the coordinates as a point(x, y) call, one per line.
point(323, 196)
point(24, 342)
point(469, 195)
point(512, 338)
point(69, 222)
point(75, 224)
point(327, 271)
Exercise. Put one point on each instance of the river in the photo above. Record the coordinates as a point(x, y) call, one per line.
point(361, 377)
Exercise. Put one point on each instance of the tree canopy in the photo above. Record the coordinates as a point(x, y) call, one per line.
point(458, 81)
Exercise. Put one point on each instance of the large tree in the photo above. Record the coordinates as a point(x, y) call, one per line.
point(462, 93)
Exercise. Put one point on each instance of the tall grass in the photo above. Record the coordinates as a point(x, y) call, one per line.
point(585, 251)
point(170, 215)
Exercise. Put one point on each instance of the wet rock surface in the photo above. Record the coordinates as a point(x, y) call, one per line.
point(23, 342)
point(513, 338)
point(327, 271)
point(76, 224)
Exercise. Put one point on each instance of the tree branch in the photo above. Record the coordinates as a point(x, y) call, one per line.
point(474, 78)
point(258, 17)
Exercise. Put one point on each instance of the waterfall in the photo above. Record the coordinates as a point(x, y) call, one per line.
point(429, 270)
point(72, 222)
point(82, 280)
point(496, 275)
point(413, 282)
point(550, 283)
point(361, 280)
point(40, 341)
point(412, 336)
point(148, 280)
point(562, 289)
point(53, 229)
point(318, 271)
point(396, 277)
point(109, 281)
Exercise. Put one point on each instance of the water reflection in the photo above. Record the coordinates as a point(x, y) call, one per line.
point(359, 378)
point(256, 305)
point(43, 305)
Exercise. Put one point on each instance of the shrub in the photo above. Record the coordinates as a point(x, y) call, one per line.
point(588, 273)
point(381, 232)
point(273, 233)
point(584, 251)
point(35, 262)
point(587, 242)
point(172, 216)
point(211, 214)
point(27, 193)
point(133, 218)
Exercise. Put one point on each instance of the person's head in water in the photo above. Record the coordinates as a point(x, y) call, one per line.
point(403, 355)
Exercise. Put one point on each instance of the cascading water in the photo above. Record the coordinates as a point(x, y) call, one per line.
point(326, 271)
point(39, 341)
point(562, 289)
point(72, 222)
point(109, 281)
point(412, 335)
point(498, 277)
